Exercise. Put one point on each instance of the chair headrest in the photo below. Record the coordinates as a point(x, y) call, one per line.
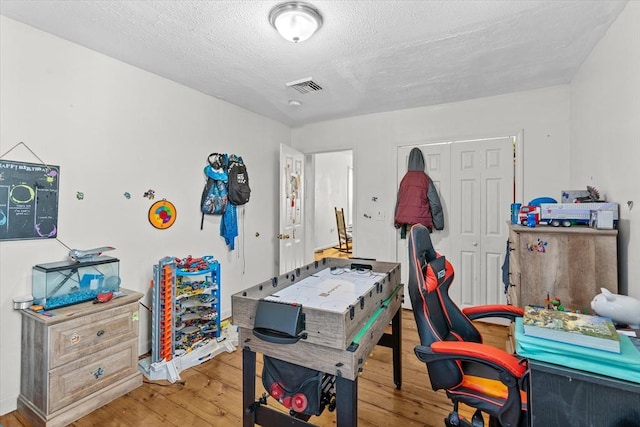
point(420, 244)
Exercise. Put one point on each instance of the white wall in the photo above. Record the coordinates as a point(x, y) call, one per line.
point(331, 185)
point(113, 128)
point(543, 116)
point(605, 132)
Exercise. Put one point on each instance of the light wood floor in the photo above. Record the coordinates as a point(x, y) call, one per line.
point(211, 394)
point(331, 253)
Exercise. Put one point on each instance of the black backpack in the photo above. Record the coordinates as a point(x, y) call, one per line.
point(238, 189)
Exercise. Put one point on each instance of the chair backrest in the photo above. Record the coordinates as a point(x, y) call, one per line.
point(437, 317)
point(342, 228)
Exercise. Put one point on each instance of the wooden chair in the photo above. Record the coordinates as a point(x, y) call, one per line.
point(344, 238)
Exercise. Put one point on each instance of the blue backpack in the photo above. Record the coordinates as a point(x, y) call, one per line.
point(215, 198)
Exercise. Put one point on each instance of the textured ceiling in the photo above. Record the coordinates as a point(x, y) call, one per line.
point(369, 56)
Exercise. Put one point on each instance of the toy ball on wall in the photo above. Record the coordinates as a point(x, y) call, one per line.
point(162, 214)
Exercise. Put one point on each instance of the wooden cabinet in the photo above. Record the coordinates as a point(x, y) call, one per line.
point(78, 360)
point(570, 263)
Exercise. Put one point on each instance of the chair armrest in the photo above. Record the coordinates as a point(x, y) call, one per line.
point(473, 352)
point(494, 310)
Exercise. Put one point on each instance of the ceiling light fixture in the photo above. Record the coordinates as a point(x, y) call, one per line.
point(295, 21)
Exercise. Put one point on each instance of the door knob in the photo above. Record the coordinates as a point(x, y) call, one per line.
point(475, 243)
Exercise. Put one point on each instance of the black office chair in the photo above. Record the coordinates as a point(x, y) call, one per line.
point(478, 375)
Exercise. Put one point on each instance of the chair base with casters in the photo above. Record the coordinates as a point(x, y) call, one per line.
point(477, 420)
point(480, 376)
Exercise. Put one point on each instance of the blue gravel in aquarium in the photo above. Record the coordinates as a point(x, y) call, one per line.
point(70, 299)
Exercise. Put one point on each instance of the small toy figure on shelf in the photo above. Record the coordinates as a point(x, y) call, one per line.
point(594, 196)
point(557, 304)
point(554, 303)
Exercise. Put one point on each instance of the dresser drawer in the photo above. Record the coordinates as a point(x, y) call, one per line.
point(76, 338)
point(75, 380)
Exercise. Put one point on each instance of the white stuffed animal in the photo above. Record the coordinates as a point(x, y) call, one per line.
point(620, 308)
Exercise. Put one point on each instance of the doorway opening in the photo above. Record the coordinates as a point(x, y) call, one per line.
point(330, 179)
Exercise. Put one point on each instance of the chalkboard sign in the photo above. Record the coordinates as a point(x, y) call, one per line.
point(28, 200)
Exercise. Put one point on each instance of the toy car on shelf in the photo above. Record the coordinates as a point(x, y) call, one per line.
point(523, 216)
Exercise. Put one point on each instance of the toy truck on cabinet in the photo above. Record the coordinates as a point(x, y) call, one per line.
point(523, 215)
point(566, 214)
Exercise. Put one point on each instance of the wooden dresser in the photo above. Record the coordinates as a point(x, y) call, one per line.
point(79, 360)
point(570, 263)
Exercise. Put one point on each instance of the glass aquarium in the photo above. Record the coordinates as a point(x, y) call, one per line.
point(59, 284)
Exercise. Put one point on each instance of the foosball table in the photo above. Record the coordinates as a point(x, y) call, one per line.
point(316, 325)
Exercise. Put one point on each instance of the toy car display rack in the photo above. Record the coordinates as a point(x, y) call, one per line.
point(175, 346)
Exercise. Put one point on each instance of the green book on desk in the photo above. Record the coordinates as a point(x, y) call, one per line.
point(571, 328)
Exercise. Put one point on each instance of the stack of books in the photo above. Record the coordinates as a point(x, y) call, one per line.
point(572, 328)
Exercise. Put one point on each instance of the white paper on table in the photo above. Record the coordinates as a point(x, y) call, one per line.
point(331, 290)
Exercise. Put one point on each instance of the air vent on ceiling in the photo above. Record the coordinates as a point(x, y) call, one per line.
point(305, 85)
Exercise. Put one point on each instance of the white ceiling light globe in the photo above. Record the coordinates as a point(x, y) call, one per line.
point(295, 21)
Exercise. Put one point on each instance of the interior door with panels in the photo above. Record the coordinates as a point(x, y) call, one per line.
point(475, 181)
point(291, 217)
point(482, 189)
point(436, 159)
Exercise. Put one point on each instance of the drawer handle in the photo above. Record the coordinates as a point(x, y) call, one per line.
point(100, 332)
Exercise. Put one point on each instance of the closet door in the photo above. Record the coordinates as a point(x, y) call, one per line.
point(436, 159)
point(481, 193)
point(475, 183)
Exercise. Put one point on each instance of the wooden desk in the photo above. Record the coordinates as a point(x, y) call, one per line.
point(327, 347)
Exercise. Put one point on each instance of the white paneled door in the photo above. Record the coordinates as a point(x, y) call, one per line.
point(291, 233)
point(475, 181)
